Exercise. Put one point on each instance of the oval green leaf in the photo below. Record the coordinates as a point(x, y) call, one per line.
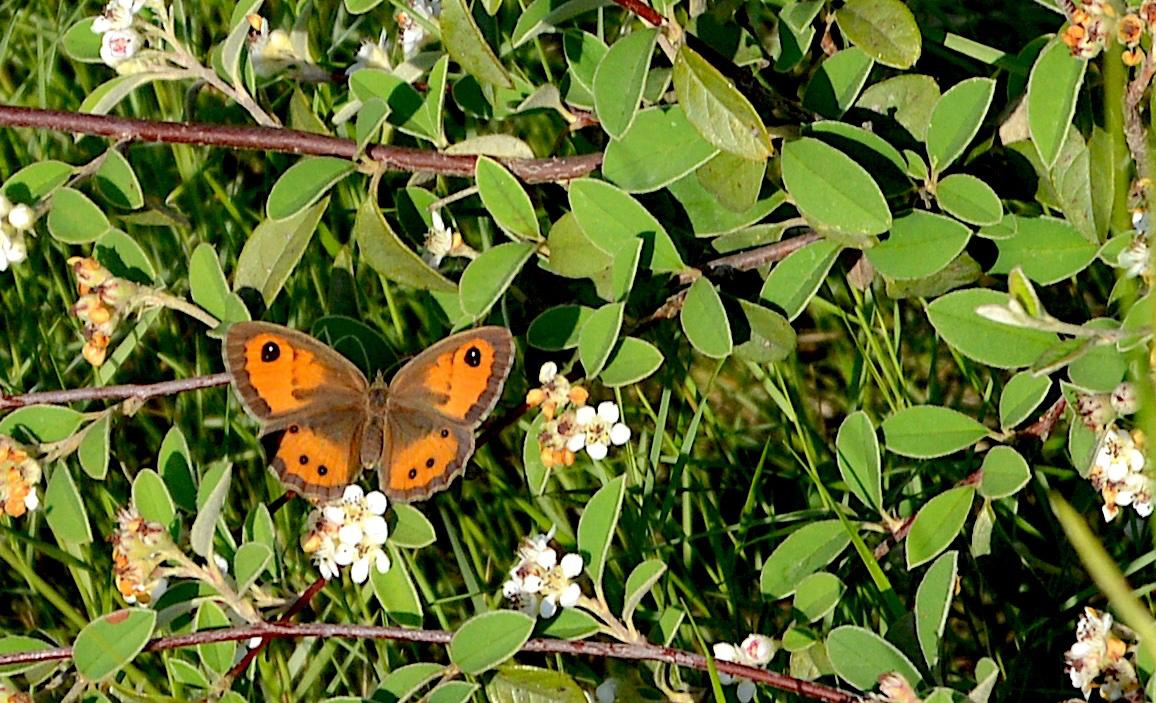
point(802, 553)
point(74, 219)
point(795, 279)
point(598, 336)
point(956, 119)
point(1005, 472)
point(938, 523)
point(108, 643)
point(968, 198)
point(413, 529)
point(929, 431)
point(720, 113)
point(1020, 397)
point(832, 190)
point(1053, 88)
point(860, 656)
point(36, 181)
point(932, 603)
point(466, 45)
point(505, 199)
point(817, 595)
point(93, 449)
point(389, 256)
point(304, 183)
point(639, 583)
point(660, 147)
point(620, 78)
point(488, 276)
point(988, 342)
point(597, 524)
point(857, 454)
point(396, 592)
point(704, 320)
point(117, 182)
point(1046, 248)
point(273, 250)
point(631, 361)
point(885, 29)
point(486, 640)
point(920, 244)
point(63, 508)
point(559, 327)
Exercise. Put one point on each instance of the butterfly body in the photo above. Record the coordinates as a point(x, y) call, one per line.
point(418, 432)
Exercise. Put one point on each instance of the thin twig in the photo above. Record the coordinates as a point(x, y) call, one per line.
point(1135, 133)
point(129, 390)
point(396, 158)
point(618, 650)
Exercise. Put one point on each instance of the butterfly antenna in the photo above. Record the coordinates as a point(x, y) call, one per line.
point(280, 501)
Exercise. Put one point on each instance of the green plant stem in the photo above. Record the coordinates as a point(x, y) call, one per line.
point(1115, 88)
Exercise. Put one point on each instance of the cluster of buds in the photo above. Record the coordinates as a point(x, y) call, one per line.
point(349, 531)
point(1119, 473)
point(755, 650)
point(1092, 22)
point(139, 547)
point(104, 299)
point(441, 241)
point(540, 583)
point(1099, 410)
point(15, 220)
point(119, 42)
point(9, 694)
point(1104, 657)
point(274, 51)
point(19, 474)
point(571, 424)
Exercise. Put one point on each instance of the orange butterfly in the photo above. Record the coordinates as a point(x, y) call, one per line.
point(418, 431)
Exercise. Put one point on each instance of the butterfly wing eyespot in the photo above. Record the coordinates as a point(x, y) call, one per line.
point(424, 454)
point(460, 377)
point(317, 459)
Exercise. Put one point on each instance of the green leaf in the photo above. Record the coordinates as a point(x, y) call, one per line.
point(216, 657)
point(733, 181)
point(860, 657)
point(857, 454)
point(598, 337)
point(709, 217)
point(74, 219)
point(884, 29)
point(63, 508)
point(704, 320)
point(537, 473)
point(108, 95)
point(937, 523)
point(631, 361)
point(486, 640)
point(506, 200)
point(833, 89)
point(794, 280)
point(1053, 87)
point(660, 147)
point(488, 276)
point(991, 343)
point(616, 283)
point(620, 78)
point(544, 16)
point(968, 198)
point(117, 182)
point(831, 190)
point(235, 43)
point(205, 524)
point(466, 45)
point(571, 624)
point(413, 529)
point(771, 336)
point(209, 288)
point(817, 595)
point(1005, 472)
point(452, 692)
point(175, 467)
point(389, 256)
point(123, 257)
point(932, 604)
point(929, 431)
point(108, 643)
point(920, 244)
point(639, 583)
point(528, 684)
point(559, 327)
point(956, 119)
point(402, 683)
point(1047, 249)
point(1020, 397)
point(82, 44)
point(93, 449)
point(720, 113)
point(249, 563)
point(19, 644)
point(1103, 367)
point(597, 525)
point(612, 219)
point(572, 253)
point(273, 250)
point(908, 98)
point(803, 552)
point(304, 183)
point(396, 592)
point(36, 181)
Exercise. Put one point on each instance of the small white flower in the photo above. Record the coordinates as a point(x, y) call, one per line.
point(758, 648)
point(376, 502)
point(32, 501)
point(353, 493)
point(540, 582)
point(375, 530)
point(118, 45)
point(21, 217)
point(360, 571)
point(755, 650)
point(12, 249)
point(601, 429)
point(413, 34)
point(350, 534)
point(572, 565)
point(372, 55)
point(1135, 260)
point(117, 14)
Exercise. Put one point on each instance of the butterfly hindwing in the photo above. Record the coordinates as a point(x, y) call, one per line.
point(423, 454)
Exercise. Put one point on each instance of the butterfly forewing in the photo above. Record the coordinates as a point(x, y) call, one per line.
point(460, 377)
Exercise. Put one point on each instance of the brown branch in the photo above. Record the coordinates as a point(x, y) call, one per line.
point(121, 392)
point(754, 258)
point(637, 652)
point(289, 141)
point(297, 607)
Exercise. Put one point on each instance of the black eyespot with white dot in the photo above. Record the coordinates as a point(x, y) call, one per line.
point(429, 463)
point(413, 473)
point(270, 352)
point(303, 460)
point(445, 433)
point(294, 429)
point(322, 470)
point(473, 357)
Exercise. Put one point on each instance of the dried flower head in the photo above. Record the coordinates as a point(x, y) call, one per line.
point(139, 547)
point(19, 475)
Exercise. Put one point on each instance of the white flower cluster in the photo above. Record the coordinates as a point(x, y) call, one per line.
point(1118, 473)
point(755, 650)
point(1103, 656)
point(15, 220)
point(118, 41)
point(540, 582)
point(579, 426)
point(413, 35)
point(349, 531)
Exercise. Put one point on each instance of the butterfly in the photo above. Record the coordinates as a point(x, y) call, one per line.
point(418, 431)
